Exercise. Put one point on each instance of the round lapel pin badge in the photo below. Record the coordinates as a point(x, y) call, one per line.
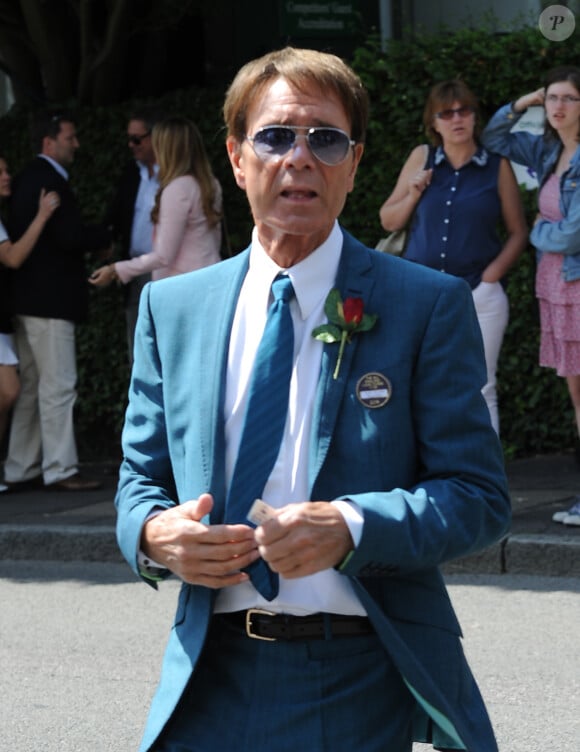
point(373, 390)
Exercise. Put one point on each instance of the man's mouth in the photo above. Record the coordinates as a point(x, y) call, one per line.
point(298, 195)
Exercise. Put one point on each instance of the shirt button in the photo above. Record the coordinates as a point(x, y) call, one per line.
point(454, 188)
point(448, 203)
point(444, 238)
point(446, 221)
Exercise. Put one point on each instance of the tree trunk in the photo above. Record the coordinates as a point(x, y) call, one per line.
point(51, 28)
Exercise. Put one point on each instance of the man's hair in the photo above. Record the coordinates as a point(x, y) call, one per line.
point(441, 97)
point(302, 69)
point(46, 124)
point(149, 116)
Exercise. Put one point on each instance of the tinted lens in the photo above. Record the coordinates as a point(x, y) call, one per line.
point(136, 140)
point(448, 114)
point(329, 145)
point(273, 141)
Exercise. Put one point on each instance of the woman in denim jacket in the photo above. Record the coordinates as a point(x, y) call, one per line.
point(555, 157)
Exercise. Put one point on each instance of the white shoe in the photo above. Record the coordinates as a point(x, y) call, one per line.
point(3, 487)
point(569, 516)
point(573, 516)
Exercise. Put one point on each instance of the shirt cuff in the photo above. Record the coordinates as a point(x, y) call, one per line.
point(148, 567)
point(151, 569)
point(353, 517)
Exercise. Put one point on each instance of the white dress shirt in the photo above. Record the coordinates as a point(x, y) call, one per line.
point(142, 228)
point(312, 279)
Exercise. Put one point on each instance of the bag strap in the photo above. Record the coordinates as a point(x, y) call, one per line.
point(430, 157)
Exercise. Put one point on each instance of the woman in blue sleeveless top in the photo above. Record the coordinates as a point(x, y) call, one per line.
point(456, 202)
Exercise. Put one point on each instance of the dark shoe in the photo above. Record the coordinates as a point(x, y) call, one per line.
point(24, 485)
point(75, 482)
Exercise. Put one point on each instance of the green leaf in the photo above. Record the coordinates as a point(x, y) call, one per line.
point(332, 306)
point(327, 333)
point(368, 321)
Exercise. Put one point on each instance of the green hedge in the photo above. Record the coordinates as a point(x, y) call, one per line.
point(535, 411)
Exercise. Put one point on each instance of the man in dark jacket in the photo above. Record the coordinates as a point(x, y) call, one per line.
point(48, 295)
point(129, 213)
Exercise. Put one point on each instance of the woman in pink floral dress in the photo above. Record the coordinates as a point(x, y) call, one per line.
point(555, 157)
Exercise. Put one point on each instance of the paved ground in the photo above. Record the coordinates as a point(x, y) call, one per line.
point(78, 674)
point(68, 526)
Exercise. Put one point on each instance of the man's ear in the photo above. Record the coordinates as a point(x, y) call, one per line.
point(234, 149)
point(48, 146)
point(357, 156)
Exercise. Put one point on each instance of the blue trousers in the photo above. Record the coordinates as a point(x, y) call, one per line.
point(332, 695)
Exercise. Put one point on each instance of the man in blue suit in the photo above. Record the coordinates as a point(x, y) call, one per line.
point(387, 464)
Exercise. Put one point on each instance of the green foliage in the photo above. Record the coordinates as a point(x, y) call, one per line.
point(535, 408)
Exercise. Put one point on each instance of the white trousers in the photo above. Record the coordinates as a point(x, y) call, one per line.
point(42, 440)
point(492, 308)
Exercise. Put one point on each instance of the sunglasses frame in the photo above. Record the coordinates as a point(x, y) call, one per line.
point(137, 140)
point(306, 132)
point(464, 111)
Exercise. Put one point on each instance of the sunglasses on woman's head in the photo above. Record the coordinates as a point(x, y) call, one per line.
point(329, 145)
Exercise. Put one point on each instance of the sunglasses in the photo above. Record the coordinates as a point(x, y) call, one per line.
point(136, 140)
point(448, 114)
point(329, 145)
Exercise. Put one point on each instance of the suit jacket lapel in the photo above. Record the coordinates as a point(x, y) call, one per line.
point(216, 340)
point(354, 279)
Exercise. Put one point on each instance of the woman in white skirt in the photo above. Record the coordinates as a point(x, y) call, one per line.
point(13, 255)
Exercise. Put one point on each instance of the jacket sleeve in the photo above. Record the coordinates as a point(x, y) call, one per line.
point(528, 149)
point(177, 202)
point(66, 230)
point(562, 236)
point(146, 467)
point(459, 501)
point(519, 146)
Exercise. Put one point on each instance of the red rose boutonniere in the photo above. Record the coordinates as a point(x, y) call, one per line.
point(344, 319)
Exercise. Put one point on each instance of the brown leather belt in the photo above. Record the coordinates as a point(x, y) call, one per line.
point(265, 625)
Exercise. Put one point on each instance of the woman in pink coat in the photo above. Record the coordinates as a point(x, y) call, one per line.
point(187, 212)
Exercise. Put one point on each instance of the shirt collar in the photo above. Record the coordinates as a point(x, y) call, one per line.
point(312, 278)
point(58, 167)
point(479, 158)
point(144, 171)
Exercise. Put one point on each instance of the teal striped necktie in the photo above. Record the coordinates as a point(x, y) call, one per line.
point(264, 421)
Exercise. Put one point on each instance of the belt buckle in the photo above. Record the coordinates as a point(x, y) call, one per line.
point(257, 611)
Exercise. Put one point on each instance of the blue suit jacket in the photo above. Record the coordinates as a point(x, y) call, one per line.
point(426, 469)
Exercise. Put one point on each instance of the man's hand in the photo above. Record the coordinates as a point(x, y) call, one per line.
point(303, 539)
point(210, 555)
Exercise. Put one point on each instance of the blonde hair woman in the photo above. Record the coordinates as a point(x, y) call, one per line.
point(187, 211)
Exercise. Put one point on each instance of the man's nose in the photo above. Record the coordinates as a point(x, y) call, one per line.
point(300, 150)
